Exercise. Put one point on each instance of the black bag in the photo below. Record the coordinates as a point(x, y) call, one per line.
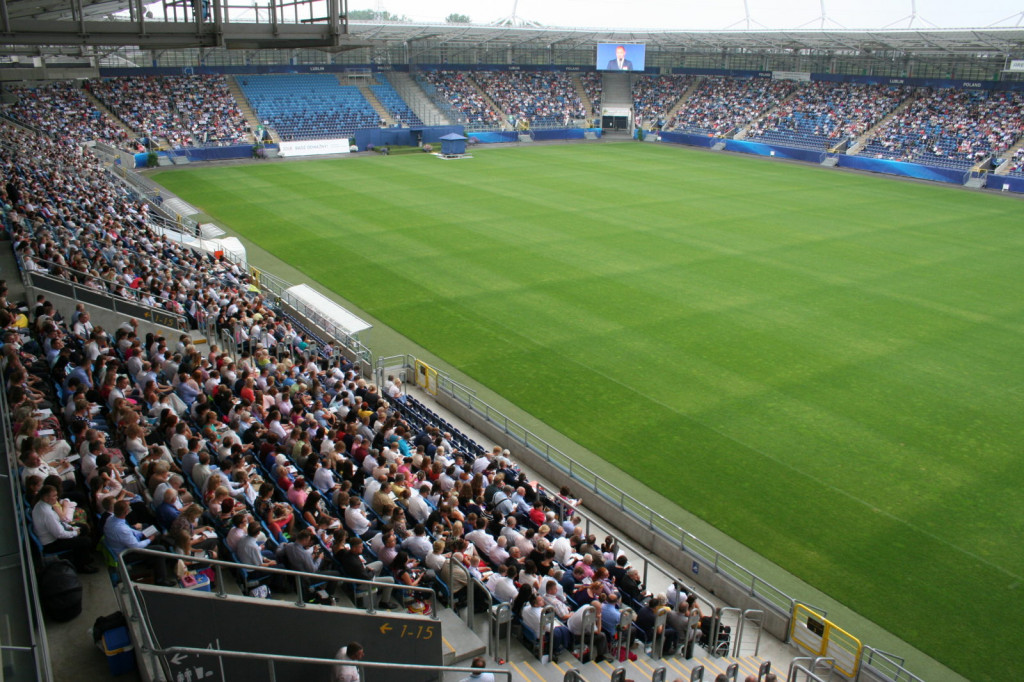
point(104, 624)
point(60, 591)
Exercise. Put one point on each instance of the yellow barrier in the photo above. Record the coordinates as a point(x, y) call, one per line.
point(819, 636)
point(426, 377)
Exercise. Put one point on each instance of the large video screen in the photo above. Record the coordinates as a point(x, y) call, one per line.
point(620, 56)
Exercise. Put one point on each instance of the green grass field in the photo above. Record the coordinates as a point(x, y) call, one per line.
point(824, 365)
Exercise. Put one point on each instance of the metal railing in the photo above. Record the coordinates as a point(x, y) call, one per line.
point(155, 194)
point(37, 645)
point(297, 577)
point(594, 482)
point(273, 659)
point(278, 289)
point(877, 663)
point(44, 279)
point(151, 647)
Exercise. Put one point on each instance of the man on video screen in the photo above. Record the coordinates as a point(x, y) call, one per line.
point(620, 63)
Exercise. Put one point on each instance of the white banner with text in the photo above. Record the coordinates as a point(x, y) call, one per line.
point(314, 147)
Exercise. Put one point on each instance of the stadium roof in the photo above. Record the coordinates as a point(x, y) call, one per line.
point(60, 16)
point(918, 41)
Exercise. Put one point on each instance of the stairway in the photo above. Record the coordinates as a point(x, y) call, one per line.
point(487, 98)
point(95, 101)
point(862, 141)
point(674, 109)
point(581, 92)
point(742, 133)
point(364, 88)
point(421, 104)
point(616, 91)
point(243, 104)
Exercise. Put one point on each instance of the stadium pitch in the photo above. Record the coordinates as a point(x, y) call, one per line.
point(824, 365)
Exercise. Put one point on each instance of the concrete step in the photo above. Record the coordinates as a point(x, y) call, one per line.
point(364, 89)
point(410, 91)
point(235, 88)
point(96, 102)
point(460, 643)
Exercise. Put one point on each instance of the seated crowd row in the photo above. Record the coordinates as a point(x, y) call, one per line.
point(934, 126)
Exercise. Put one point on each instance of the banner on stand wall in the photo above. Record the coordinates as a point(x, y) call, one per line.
point(315, 147)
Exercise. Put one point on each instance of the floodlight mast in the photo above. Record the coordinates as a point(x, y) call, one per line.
point(822, 19)
point(911, 18)
point(746, 20)
point(513, 21)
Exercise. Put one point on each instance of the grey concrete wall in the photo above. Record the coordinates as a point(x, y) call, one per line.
point(108, 319)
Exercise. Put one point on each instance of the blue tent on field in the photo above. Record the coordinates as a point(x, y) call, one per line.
point(453, 143)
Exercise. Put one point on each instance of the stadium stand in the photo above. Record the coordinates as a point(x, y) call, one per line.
point(542, 98)
point(459, 92)
point(393, 102)
point(62, 109)
point(186, 110)
point(654, 97)
point(720, 105)
point(951, 128)
point(308, 106)
point(823, 114)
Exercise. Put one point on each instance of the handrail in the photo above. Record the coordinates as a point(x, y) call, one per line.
point(31, 275)
point(150, 645)
point(219, 565)
point(278, 288)
point(887, 664)
point(155, 194)
point(642, 554)
point(285, 658)
point(38, 644)
point(626, 503)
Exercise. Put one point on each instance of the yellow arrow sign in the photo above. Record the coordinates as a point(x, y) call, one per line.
point(385, 629)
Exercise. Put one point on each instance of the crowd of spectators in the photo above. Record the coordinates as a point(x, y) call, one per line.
point(274, 456)
point(540, 98)
point(458, 89)
point(186, 110)
point(72, 220)
point(62, 109)
point(654, 97)
point(721, 104)
point(823, 114)
point(951, 127)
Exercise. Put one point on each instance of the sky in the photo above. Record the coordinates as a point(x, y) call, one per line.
point(717, 14)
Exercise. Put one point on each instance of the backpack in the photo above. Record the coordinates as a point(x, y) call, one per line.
point(104, 624)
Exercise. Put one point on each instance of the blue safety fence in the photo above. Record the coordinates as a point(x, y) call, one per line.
point(402, 137)
point(778, 151)
point(1004, 183)
point(690, 139)
point(564, 133)
point(235, 151)
point(493, 137)
point(904, 169)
